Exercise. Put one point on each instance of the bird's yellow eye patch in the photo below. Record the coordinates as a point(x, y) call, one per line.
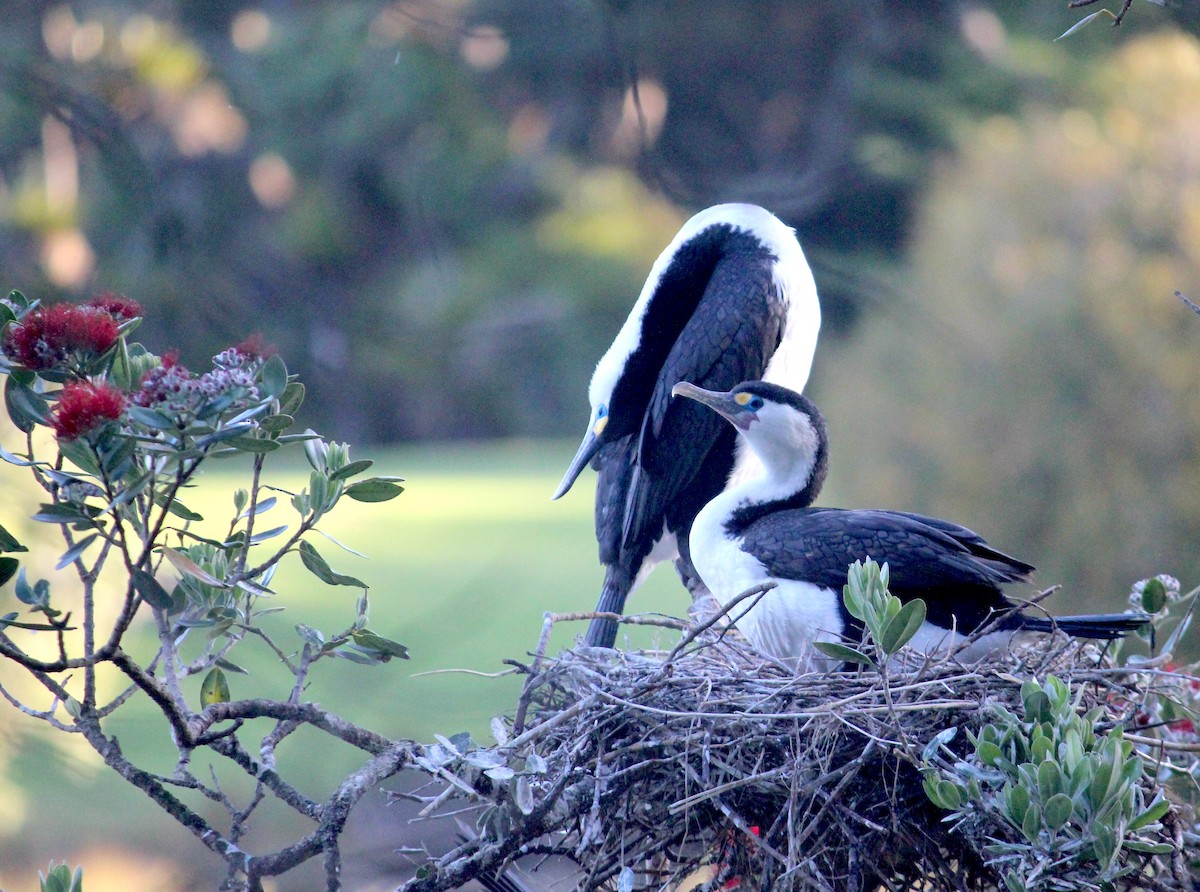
point(742, 398)
point(598, 427)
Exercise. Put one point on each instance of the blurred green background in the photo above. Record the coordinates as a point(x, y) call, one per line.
point(441, 210)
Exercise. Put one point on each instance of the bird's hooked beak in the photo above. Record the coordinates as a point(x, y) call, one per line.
point(721, 403)
point(587, 449)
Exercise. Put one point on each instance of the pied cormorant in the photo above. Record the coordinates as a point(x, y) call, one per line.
point(764, 530)
point(730, 298)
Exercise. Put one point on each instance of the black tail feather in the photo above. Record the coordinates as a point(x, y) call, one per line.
point(1097, 625)
point(603, 632)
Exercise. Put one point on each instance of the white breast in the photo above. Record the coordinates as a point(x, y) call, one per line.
point(785, 621)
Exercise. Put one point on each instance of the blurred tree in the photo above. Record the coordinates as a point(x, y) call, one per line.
point(1034, 380)
point(372, 181)
point(330, 171)
point(828, 113)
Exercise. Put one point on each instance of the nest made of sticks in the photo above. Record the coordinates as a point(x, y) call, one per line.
point(712, 765)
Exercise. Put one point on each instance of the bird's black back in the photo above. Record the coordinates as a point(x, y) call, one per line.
point(683, 453)
point(952, 568)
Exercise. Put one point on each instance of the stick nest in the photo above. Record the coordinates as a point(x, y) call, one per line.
point(713, 765)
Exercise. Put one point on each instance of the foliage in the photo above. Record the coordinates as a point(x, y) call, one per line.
point(1059, 799)
point(1056, 788)
point(336, 167)
point(888, 623)
point(1041, 340)
point(131, 432)
point(60, 879)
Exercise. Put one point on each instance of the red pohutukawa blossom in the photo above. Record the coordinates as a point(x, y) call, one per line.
point(47, 336)
point(255, 348)
point(116, 305)
point(83, 407)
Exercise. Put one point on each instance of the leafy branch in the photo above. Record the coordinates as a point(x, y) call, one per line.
point(131, 433)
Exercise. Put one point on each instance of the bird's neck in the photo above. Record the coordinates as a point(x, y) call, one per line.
point(774, 489)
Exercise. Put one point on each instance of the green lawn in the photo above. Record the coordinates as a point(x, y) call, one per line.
point(461, 567)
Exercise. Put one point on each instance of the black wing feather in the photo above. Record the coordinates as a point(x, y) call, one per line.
point(729, 339)
point(952, 568)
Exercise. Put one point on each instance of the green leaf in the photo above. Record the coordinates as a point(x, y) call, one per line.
point(355, 467)
point(185, 564)
point(1049, 779)
point(842, 652)
point(177, 508)
point(240, 499)
point(1083, 22)
point(75, 551)
point(292, 398)
point(65, 513)
point(267, 534)
point(151, 418)
point(1031, 825)
point(988, 753)
point(1149, 848)
point(1037, 706)
point(254, 445)
point(274, 376)
point(8, 542)
point(81, 455)
point(214, 688)
point(150, 589)
point(120, 373)
point(231, 434)
point(313, 636)
point(524, 795)
point(274, 424)
point(1017, 804)
point(17, 460)
point(1153, 813)
point(26, 408)
point(260, 507)
point(316, 565)
point(318, 491)
point(24, 591)
point(357, 656)
point(373, 489)
point(315, 450)
point(297, 438)
point(1058, 810)
point(230, 666)
point(10, 619)
point(901, 627)
point(1104, 842)
point(942, 793)
point(8, 568)
point(367, 639)
point(1154, 595)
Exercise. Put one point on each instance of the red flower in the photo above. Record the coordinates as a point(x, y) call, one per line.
point(1183, 726)
point(116, 305)
point(254, 348)
point(84, 406)
point(47, 336)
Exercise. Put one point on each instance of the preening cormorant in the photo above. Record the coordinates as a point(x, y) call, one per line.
point(730, 298)
point(766, 530)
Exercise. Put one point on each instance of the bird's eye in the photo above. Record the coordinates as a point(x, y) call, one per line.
point(601, 421)
point(754, 403)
